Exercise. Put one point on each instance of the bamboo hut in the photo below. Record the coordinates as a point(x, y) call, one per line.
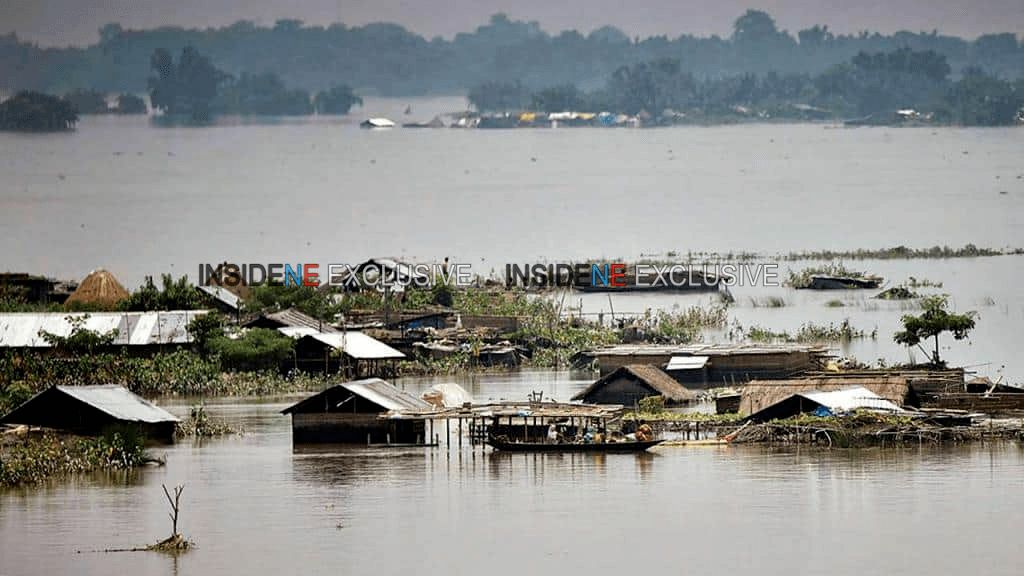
point(99, 289)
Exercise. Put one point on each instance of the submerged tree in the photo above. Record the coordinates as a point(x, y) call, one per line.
point(130, 104)
point(261, 94)
point(36, 112)
point(88, 101)
point(338, 100)
point(186, 87)
point(935, 320)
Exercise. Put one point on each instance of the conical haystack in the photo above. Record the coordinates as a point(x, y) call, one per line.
point(100, 289)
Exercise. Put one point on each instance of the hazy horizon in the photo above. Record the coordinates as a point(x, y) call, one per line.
point(70, 22)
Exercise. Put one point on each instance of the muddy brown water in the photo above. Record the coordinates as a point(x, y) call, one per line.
point(255, 505)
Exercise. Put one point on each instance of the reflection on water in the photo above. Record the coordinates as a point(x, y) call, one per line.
point(255, 505)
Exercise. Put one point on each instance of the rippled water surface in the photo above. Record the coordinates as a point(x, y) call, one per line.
point(255, 505)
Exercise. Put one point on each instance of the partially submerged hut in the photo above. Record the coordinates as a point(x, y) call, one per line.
point(91, 410)
point(351, 412)
point(830, 403)
point(760, 394)
point(713, 365)
point(99, 289)
point(630, 384)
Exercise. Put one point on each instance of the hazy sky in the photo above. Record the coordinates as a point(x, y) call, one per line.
point(61, 22)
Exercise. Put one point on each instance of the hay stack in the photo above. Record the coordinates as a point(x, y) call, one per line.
point(99, 289)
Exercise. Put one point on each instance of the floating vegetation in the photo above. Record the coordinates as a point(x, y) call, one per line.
point(768, 302)
point(913, 282)
point(811, 333)
point(898, 293)
point(200, 425)
point(902, 253)
point(834, 304)
point(681, 326)
point(30, 458)
point(803, 278)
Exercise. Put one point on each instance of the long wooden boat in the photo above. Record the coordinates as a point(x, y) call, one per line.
point(605, 447)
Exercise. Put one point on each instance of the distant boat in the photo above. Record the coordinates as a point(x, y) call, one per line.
point(604, 447)
point(408, 109)
point(377, 123)
point(843, 282)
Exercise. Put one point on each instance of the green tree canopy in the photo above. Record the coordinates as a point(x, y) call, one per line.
point(184, 88)
point(37, 112)
point(338, 100)
point(935, 320)
point(172, 294)
point(80, 340)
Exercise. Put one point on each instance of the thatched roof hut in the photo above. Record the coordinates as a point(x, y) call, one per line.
point(631, 383)
point(760, 394)
point(100, 288)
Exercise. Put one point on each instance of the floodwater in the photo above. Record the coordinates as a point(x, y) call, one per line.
point(254, 505)
point(139, 199)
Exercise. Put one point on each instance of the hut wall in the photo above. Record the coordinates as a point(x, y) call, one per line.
point(61, 412)
point(975, 402)
point(500, 323)
point(349, 428)
point(727, 404)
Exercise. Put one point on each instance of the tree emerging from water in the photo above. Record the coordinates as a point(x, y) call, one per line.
point(186, 88)
point(338, 100)
point(37, 112)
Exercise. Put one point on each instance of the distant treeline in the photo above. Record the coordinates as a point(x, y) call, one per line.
point(387, 59)
point(195, 88)
point(870, 87)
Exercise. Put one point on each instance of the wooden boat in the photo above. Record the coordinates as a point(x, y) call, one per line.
point(605, 447)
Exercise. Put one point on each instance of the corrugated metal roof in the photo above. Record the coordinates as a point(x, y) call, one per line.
point(119, 402)
point(850, 399)
point(701, 349)
point(687, 362)
point(375, 390)
point(297, 331)
point(222, 295)
point(357, 345)
point(22, 330)
point(293, 317)
point(384, 394)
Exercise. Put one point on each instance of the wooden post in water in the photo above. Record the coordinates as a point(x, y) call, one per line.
point(460, 433)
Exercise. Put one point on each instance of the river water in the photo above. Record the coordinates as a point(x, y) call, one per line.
point(138, 199)
point(255, 505)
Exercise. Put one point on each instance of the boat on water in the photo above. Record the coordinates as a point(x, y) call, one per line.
point(603, 447)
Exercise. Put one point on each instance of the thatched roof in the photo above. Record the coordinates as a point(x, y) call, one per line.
point(651, 376)
point(759, 394)
point(98, 288)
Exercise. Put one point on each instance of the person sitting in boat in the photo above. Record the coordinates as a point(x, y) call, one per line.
point(644, 432)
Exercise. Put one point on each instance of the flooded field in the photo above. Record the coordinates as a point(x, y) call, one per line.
point(253, 504)
point(322, 190)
